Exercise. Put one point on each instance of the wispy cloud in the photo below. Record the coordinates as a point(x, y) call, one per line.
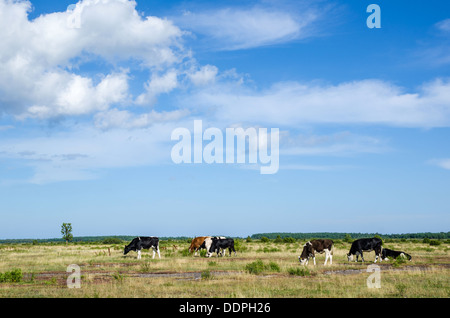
point(442, 163)
point(357, 102)
point(244, 28)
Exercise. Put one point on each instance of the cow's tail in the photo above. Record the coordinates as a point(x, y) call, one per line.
point(332, 249)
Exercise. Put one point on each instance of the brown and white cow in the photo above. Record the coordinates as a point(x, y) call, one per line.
point(316, 246)
point(197, 243)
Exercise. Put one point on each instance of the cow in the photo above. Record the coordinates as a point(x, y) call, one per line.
point(219, 243)
point(208, 242)
point(365, 245)
point(198, 243)
point(317, 246)
point(143, 242)
point(385, 253)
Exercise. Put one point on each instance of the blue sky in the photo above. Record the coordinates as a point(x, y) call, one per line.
point(91, 91)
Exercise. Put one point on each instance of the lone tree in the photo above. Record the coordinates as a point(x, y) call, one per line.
point(66, 231)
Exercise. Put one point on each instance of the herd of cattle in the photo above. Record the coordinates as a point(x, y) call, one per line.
point(219, 245)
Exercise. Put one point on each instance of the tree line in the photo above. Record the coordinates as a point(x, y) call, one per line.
point(332, 235)
point(118, 239)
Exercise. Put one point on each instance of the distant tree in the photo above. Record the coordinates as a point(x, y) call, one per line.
point(66, 231)
point(278, 239)
point(348, 238)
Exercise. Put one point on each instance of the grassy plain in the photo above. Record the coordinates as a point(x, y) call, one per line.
point(260, 269)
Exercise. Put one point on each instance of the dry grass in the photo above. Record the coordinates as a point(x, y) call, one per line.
point(177, 275)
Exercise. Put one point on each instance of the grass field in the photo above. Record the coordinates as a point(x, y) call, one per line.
point(260, 269)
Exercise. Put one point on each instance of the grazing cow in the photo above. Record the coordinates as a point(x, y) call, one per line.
point(219, 243)
point(317, 246)
point(141, 242)
point(385, 253)
point(197, 244)
point(365, 245)
point(208, 242)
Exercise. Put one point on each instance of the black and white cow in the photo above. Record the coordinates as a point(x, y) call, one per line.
point(316, 246)
point(208, 242)
point(143, 242)
point(365, 245)
point(219, 243)
point(385, 253)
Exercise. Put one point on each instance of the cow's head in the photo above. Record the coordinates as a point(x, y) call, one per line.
point(129, 247)
point(350, 257)
point(306, 253)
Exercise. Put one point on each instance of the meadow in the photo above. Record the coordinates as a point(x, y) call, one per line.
point(261, 269)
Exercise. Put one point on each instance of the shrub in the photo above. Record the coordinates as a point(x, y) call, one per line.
point(206, 274)
point(112, 240)
point(257, 267)
point(278, 239)
point(299, 271)
point(289, 240)
point(348, 238)
point(274, 267)
point(435, 242)
point(264, 239)
point(185, 252)
point(14, 276)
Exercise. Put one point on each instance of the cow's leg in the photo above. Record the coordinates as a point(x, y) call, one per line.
point(331, 258)
point(362, 256)
point(139, 254)
point(314, 259)
point(157, 250)
point(326, 257)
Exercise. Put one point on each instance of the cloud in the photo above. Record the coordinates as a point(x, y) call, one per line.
point(442, 163)
point(443, 25)
point(372, 102)
point(205, 75)
point(337, 144)
point(40, 58)
point(115, 118)
point(84, 152)
point(240, 28)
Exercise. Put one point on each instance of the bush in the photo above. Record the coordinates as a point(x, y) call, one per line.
point(289, 240)
point(257, 267)
point(299, 271)
point(264, 239)
point(184, 252)
point(14, 276)
point(435, 242)
point(278, 239)
point(206, 274)
point(348, 238)
point(112, 240)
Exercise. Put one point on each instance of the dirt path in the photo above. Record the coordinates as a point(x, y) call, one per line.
point(198, 274)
